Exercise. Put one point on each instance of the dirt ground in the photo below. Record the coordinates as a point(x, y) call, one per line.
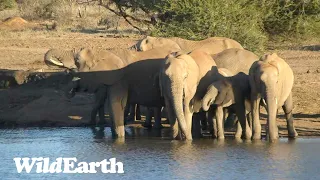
point(27, 106)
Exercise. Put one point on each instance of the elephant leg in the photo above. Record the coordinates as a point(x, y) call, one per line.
point(94, 112)
point(117, 99)
point(255, 110)
point(127, 111)
point(138, 112)
point(157, 118)
point(196, 127)
point(238, 131)
point(287, 108)
point(102, 120)
point(204, 121)
point(212, 122)
point(173, 122)
point(241, 114)
point(132, 109)
point(100, 97)
point(219, 119)
point(148, 123)
point(188, 117)
point(249, 119)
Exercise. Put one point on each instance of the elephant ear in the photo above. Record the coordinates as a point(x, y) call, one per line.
point(86, 56)
point(224, 92)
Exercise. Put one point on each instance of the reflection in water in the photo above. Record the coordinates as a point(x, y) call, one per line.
point(150, 154)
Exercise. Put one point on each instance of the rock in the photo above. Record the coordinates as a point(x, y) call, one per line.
point(308, 71)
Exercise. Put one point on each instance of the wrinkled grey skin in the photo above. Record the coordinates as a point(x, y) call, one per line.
point(235, 60)
point(59, 57)
point(234, 90)
point(100, 92)
point(271, 79)
point(65, 58)
point(134, 83)
point(211, 45)
point(178, 79)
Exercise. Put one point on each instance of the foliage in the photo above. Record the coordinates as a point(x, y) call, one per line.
point(7, 4)
point(193, 19)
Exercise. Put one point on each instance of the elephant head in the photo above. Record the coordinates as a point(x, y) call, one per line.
point(220, 93)
point(60, 58)
point(84, 59)
point(155, 42)
point(265, 80)
point(178, 81)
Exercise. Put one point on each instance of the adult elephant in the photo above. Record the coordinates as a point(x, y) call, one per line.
point(271, 78)
point(184, 79)
point(59, 57)
point(212, 45)
point(226, 52)
point(134, 83)
point(110, 60)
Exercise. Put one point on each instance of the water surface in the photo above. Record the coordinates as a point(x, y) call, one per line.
point(145, 155)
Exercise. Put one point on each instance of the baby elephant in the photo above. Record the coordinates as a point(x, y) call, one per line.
point(233, 90)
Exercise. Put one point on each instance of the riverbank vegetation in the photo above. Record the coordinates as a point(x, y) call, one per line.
point(254, 23)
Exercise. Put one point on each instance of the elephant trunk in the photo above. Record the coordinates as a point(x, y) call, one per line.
point(71, 88)
point(272, 105)
point(177, 92)
point(209, 98)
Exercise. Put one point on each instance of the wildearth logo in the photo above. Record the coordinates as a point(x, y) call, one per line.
point(67, 165)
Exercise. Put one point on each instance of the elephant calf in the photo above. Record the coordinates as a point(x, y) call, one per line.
point(232, 90)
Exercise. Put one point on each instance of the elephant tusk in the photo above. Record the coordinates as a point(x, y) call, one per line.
point(276, 101)
point(58, 63)
point(71, 91)
point(76, 79)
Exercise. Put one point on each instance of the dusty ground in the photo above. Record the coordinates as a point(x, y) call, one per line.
point(25, 51)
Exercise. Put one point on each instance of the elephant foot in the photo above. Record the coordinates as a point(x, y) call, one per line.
point(237, 135)
point(246, 135)
point(272, 140)
point(119, 132)
point(147, 125)
point(188, 137)
point(293, 134)
point(220, 137)
point(157, 126)
point(256, 136)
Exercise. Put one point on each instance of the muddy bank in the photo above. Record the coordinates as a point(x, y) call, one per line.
point(37, 99)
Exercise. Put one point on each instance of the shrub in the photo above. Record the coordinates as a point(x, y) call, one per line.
point(193, 19)
point(296, 17)
point(7, 4)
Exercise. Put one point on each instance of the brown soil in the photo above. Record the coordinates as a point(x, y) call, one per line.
point(43, 103)
point(16, 23)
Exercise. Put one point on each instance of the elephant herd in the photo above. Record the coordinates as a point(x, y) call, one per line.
point(212, 76)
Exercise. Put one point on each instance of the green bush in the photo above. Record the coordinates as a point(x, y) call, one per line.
point(193, 19)
point(251, 22)
point(295, 17)
point(7, 4)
